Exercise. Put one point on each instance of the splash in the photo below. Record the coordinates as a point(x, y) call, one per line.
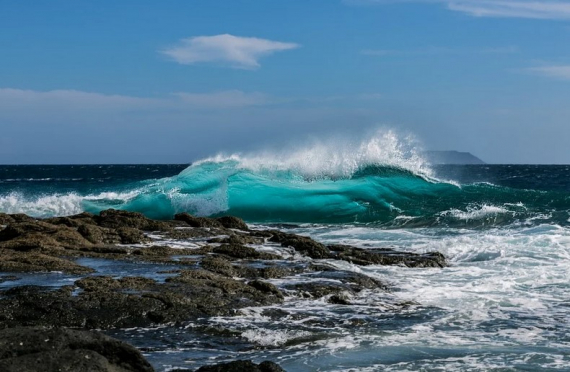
point(381, 180)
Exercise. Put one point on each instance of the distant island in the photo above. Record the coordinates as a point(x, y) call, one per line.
point(451, 157)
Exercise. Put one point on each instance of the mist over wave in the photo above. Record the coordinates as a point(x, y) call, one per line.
point(382, 179)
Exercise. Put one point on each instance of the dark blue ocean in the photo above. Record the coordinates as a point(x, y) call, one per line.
point(503, 303)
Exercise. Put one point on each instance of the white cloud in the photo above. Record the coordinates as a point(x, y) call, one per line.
point(555, 72)
point(236, 51)
point(538, 9)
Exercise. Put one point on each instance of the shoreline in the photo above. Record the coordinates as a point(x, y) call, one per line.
point(225, 267)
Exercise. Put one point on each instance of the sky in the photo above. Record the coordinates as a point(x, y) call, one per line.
point(174, 81)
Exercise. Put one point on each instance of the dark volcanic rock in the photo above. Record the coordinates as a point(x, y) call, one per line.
point(231, 222)
point(5, 219)
point(33, 234)
point(13, 261)
point(106, 302)
point(302, 244)
point(386, 256)
point(115, 219)
point(27, 349)
point(266, 287)
point(338, 283)
point(238, 239)
point(197, 221)
point(242, 366)
point(243, 252)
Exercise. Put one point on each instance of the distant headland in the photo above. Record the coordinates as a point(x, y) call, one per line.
point(451, 157)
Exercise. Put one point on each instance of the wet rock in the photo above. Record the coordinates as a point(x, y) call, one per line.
point(243, 252)
point(115, 219)
point(5, 219)
point(386, 256)
point(11, 261)
point(30, 349)
point(63, 221)
point(273, 272)
point(301, 244)
point(188, 233)
point(198, 221)
point(231, 222)
point(334, 282)
point(99, 235)
point(131, 236)
point(20, 217)
point(242, 366)
point(237, 239)
point(339, 299)
point(266, 287)
point(106, 302)
point(106, 283)
point(317, 289)
point(219, 265)
point(39, 234)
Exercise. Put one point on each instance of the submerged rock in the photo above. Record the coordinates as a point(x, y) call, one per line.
point(30, 349)
point(386, 256)
point(242, 366)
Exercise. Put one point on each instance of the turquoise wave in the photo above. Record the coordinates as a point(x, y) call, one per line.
point(386, 195)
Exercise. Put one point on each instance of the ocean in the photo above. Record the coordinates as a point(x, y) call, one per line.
point(502, 304)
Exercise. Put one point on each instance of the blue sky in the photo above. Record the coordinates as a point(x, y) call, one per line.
point(174, 81)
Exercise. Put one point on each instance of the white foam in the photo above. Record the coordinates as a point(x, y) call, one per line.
point(338, 158)
point(268, 337)
point(56, 204)
point(476, 212)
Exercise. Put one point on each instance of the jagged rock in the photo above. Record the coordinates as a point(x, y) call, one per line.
point(301, 244)
point(197, 221)
point(242, 366)
point(386, 256)
point(98, 235)
point(266, 287)
point(239, 239)
point(325, 282)
point(105, 302)
point(231, 222)
point(13, 261)
point(339, 299)
point(115, 219)
point(39, 234)
point(243, 252)
point(31, 349)
point(5, 219)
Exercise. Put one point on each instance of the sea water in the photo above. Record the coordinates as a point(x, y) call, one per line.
point(502, 304)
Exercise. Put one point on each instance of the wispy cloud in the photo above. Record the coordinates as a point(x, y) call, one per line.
point(439, 50)
point(225, 99)
point(537, 9)
point(235, 51)
point(559, 72)
point(73, 100)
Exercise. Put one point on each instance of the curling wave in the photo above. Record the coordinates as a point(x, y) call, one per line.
point(381, 180)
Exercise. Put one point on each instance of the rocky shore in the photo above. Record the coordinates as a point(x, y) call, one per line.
point(227, 267)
